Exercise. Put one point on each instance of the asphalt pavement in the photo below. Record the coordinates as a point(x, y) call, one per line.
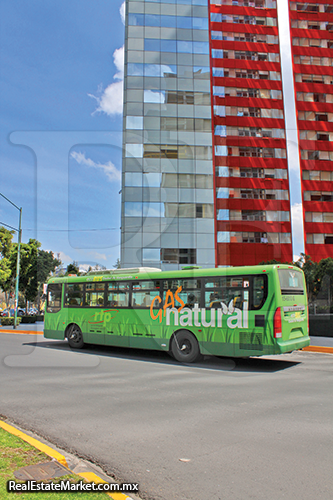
point(221, 428)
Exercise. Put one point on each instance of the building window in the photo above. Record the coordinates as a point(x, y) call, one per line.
point(178, 255)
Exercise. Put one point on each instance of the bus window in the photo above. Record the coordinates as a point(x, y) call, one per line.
point(291, 282)
point(146, 285)
point(259, 293)
point(117, 294)
point(186, 284)
point(189, 294)
point(144, 292)
point(224, 282)
point(73, 295)
point(144, 299)
point(214, 298)
point(53, 304)
point(94, 294)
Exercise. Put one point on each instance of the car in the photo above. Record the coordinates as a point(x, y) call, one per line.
point(8, 312)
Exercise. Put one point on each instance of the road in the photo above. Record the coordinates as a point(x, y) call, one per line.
point(221, 429)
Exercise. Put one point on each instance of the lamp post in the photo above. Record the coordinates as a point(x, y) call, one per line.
point(18, 255)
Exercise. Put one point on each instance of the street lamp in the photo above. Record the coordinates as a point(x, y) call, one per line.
point(18, 256)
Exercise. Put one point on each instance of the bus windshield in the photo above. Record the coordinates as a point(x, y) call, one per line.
point(291, 282)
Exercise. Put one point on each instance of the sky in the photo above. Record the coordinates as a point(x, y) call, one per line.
point(61, 84)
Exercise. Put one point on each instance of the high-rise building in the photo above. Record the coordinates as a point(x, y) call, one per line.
point(312, 53)
point(167, 195)
point(205, 166)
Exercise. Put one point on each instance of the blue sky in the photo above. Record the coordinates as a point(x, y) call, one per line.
point(60, 124)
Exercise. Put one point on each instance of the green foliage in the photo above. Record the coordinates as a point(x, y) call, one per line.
point(6, 321)
point(5, 252)
point(36, 265)
point(46, 264)
point(323, 278)
point(117, 264)
point(309, 268)
point(73, 268)
point(28, 319)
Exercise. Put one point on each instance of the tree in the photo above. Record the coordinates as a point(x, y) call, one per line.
point(309, 268)
point(28, 283)
point(5, 251)
point(46, 264)
point(73, 268)
point(6, 247)
point(323, 279)
point(117, 264)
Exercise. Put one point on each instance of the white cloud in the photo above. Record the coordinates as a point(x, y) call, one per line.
point(97, 256)
point(122, 12)
point(109, 169)
point(63, 257)
point(110, 100)
point(118, 59)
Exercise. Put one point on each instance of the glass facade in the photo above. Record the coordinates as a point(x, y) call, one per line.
point(167, 194)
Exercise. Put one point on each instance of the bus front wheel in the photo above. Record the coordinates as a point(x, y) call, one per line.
point(75, 337)
point(185, 347)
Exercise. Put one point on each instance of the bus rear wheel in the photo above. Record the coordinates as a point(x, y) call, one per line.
point(185, 347)
point(75, 337)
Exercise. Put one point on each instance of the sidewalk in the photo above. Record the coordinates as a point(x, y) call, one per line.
point(28, 328)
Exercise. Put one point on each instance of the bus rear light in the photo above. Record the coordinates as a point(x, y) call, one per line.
point(277, 324)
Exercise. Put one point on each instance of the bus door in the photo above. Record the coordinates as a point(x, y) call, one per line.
point(217, 299)
point(253, 328)
point(53, 327)
point(117, 314)
point(145, 333)
point(93, 327)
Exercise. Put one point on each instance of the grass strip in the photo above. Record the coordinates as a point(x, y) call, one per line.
point(16, 453)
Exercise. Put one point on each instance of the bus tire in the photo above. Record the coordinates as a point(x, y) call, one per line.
point(74, 336)
point(185, 347)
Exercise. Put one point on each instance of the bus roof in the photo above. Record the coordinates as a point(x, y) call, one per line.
point(156, 273)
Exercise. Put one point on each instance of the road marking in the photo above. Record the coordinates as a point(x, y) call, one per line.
point(23, 332)
point(34, 442)
point(317, 348)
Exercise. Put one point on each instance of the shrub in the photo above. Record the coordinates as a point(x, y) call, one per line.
point(28, 319)
point(9, 321)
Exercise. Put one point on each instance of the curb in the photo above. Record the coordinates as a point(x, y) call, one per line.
point(89, 477)
point(24, 332)
point(317, 348)
point(35, 443)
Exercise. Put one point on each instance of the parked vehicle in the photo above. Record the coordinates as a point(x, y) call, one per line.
point(7, 312)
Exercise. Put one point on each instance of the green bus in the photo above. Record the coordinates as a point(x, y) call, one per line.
point(235, 311)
